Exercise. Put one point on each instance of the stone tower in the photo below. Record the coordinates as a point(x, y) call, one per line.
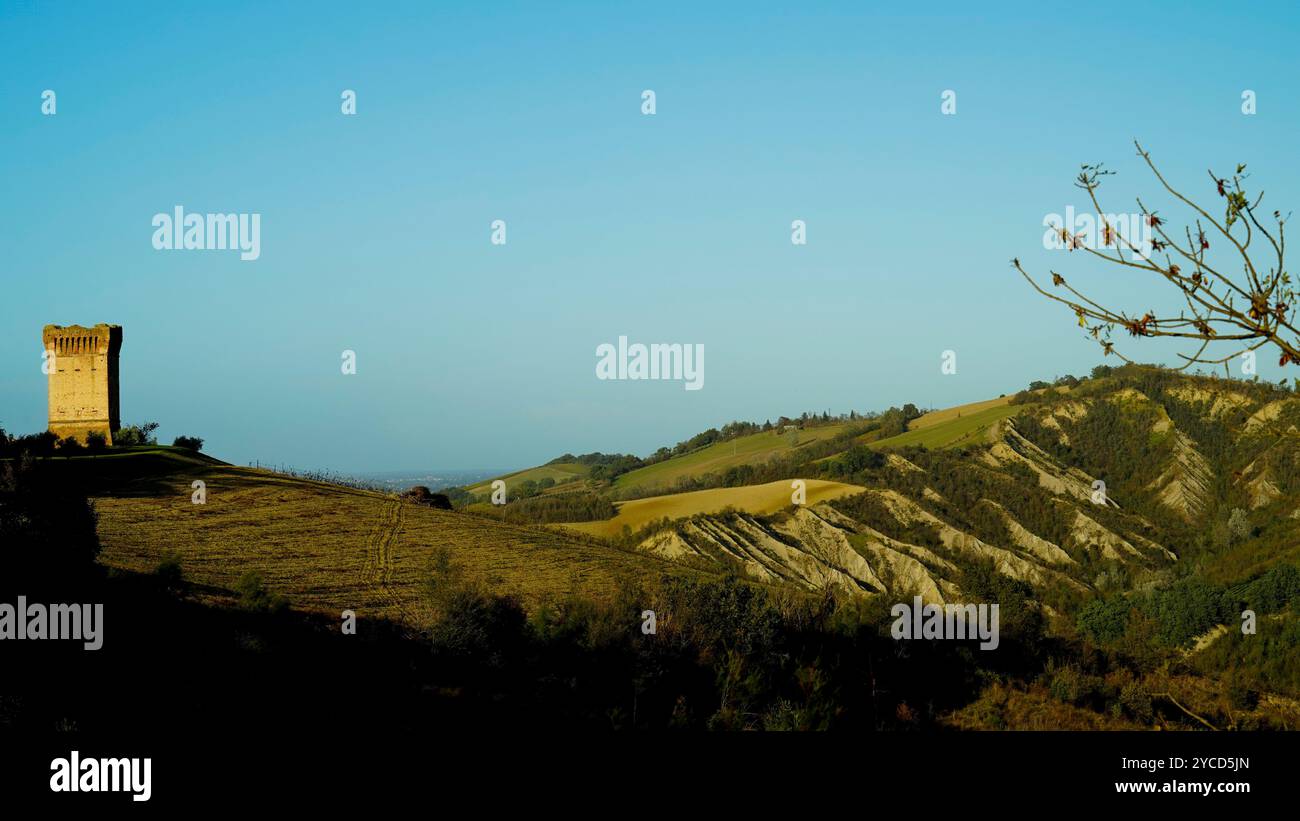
point(82, 365)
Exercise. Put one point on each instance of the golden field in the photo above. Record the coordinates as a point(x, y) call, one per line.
point(331, 548)
point(758, 499)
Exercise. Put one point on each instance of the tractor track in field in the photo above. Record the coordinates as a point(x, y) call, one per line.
point(380, 556)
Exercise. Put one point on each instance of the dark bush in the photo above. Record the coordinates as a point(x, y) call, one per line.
point(254, 596)
point(421, 495)
point(96, 442)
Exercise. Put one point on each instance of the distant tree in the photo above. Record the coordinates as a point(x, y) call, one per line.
point(70, 446)
point(135, 435)
point(96, 442)
point(421, 495)
point(1238, 525)
point(193, 443)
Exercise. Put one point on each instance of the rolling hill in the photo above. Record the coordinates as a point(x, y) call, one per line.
point(1137, 514)
point(326, 547)
point(754, 449)
point(1010, 480)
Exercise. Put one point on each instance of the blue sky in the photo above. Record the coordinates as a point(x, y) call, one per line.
point(666, 228)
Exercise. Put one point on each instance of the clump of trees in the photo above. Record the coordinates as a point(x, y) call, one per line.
point(421, 495)
point(581, 506)
point(136, 435)
point(34, 444)
point(47, 529)
point(1188, 608)
point(193, 443)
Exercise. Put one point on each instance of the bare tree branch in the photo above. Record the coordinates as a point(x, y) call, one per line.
point(1258, 310)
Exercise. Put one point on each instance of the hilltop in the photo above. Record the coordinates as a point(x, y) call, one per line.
point(1125, 479)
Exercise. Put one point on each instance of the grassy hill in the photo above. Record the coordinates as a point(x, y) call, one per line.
point(559, 472)
point(327, 548)
point(951, 427)
point(744, 450)
point(947, 427)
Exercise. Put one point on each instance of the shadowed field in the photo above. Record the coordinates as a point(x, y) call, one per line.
point(331, 548)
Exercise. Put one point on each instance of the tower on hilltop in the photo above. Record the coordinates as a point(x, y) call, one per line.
point(82, 367)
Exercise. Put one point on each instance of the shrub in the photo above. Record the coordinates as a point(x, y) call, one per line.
point(170, 574)
point(96, 442)
point(254, 596)
point(193, 443)
point(1073, 686)
point(134, 435)
point(421, 495)
point(1136, 701)
point(1239, 525)
point(1104, 620)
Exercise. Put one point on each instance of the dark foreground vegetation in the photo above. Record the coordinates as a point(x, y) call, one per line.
point(725, 654)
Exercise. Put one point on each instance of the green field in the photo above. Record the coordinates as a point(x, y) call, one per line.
point(753, 449)
point(947, 427)
point(758, 499)
point(561, 472)
point(938, 417)
point(955, 431)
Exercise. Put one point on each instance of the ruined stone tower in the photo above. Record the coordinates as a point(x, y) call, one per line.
point(82, 366)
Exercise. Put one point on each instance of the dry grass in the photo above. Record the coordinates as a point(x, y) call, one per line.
point(766, 498)
point(330, 548)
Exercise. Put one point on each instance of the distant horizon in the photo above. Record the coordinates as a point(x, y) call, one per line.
point(164, 436)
